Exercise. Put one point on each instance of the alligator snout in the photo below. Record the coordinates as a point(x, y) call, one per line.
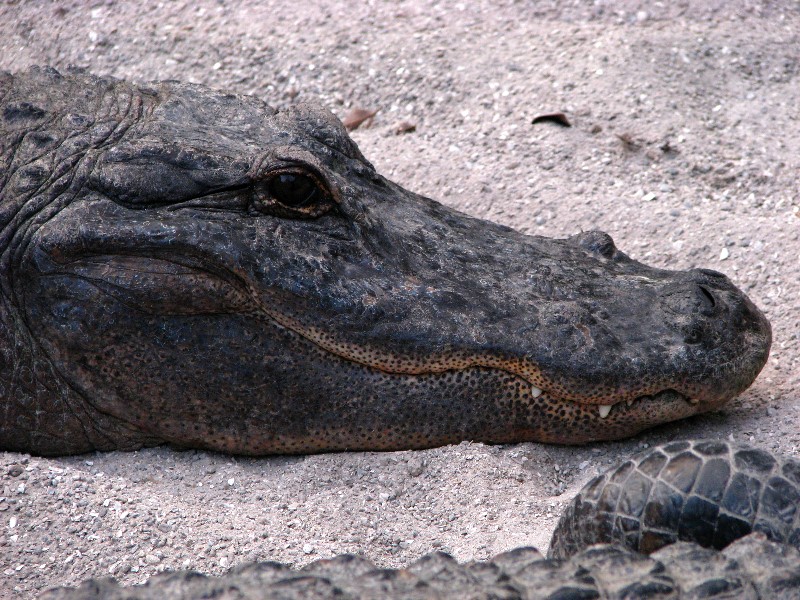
point(714, 318)
point(701, 296)
point(708, 309)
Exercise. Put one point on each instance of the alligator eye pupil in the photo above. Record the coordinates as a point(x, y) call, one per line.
point(294, 190)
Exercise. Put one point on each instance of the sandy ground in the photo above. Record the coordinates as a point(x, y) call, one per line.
point(684, 148)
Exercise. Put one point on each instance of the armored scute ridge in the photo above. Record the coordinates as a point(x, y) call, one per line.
point(185, 266)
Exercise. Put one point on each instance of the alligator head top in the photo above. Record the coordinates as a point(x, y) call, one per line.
point(186, 266)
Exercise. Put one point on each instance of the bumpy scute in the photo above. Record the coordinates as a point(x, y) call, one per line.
point(710, 492)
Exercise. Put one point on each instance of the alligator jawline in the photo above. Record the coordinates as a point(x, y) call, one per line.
point(604, 410)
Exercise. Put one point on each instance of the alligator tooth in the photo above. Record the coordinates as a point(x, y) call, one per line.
point(535, 392)
point(630, 402)
point(693, 400)
point(604, 409)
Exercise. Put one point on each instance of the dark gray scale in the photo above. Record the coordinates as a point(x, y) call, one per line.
point(708, 492)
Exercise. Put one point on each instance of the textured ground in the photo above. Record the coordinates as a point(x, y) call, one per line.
point(685, 148)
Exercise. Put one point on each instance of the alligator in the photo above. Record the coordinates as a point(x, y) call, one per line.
point(196, 268)
point(704, 519)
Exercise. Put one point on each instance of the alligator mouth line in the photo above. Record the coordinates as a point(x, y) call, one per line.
point(604, 410)
point(352, 353)
point(93, 271)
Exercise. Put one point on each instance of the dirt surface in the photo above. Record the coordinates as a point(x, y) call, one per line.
point(685, 147)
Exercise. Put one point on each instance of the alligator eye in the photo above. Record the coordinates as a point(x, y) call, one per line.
point(293, 193)
point(294, 190)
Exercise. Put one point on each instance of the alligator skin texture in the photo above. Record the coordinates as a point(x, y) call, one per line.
point(650, 500)
point(710, 492)
point(185, 266)
point(752, 567)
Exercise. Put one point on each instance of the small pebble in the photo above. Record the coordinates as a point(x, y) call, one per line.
point(308, 549)
point(415, 467)
point(404, 127)
point(724, 254)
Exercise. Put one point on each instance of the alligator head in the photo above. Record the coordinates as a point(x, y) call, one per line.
point(186, 266)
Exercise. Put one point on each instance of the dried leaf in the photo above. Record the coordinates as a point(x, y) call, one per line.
point(557, 118)
point(356, 117)
point(628, 141)
point(404, 127)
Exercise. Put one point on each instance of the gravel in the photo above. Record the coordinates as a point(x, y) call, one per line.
point(684, 146)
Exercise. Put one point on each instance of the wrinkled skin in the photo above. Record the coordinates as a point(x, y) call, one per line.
point(158, 286)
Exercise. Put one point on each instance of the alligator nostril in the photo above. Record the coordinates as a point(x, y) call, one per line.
point(708, 295)
point(692, 298)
